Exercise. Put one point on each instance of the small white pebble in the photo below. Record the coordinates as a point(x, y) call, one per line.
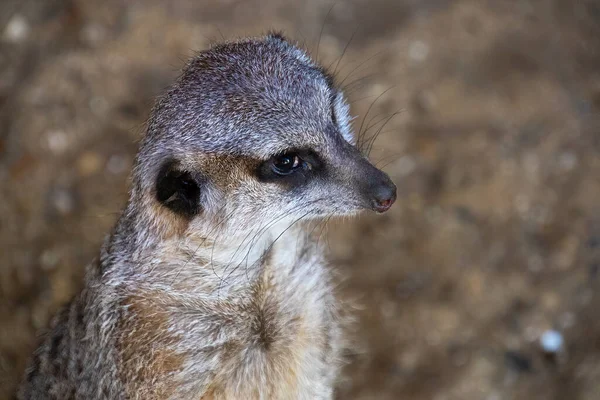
point(48, 260)
point(427, 100)
point(16, 29)
point(551, 341)
point(418, 51)
point(567, 160)
point(63, 201)
point(58, 141)
point(406, 165)
point(117, 164)
point(93, 33)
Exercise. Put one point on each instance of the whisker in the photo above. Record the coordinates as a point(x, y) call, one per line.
point(260, 231)
point(322, 28)
point(198, 247)
point(359, 66)
point(367, 114)
point(378, 132)
point(343, 52)
point(390, 159)
point(355, 85)
point(268, 249)
point(255, 236)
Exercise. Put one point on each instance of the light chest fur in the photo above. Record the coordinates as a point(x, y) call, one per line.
point(230, 330)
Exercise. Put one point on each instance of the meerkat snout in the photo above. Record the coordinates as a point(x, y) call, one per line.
point(374, 186)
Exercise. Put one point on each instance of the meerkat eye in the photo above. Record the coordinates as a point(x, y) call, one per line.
point(292, 167)
point(286, 163)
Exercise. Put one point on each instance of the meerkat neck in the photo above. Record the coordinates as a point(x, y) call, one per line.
point(237, 263)
point(201, 264)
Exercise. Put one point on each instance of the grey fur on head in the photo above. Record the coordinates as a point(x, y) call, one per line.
point(210, 286)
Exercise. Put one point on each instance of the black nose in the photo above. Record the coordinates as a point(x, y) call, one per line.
point(383, 195)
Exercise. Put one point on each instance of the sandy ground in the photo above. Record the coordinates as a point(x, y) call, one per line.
point(496, 152)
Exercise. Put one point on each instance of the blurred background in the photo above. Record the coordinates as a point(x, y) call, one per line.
point(493, 243)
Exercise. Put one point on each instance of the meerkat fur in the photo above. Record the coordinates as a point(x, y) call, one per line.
point(212, 285)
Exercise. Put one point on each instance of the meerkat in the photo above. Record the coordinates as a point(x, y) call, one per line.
point(210, 285)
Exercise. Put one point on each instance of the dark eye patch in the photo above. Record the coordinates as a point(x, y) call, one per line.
point(311, 166)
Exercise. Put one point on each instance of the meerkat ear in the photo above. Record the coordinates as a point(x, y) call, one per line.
point(178, 190)
point(342, 118)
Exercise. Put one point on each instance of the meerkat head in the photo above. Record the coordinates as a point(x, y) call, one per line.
point(252, 133)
